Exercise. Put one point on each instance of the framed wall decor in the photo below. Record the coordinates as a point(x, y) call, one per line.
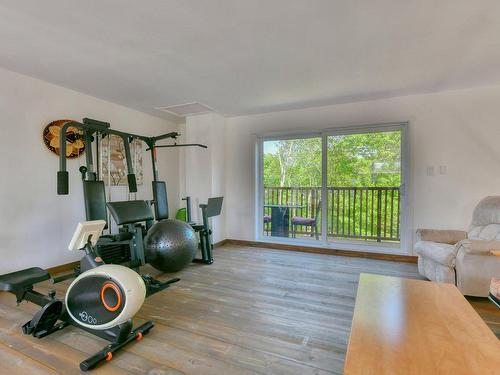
point(113, 163)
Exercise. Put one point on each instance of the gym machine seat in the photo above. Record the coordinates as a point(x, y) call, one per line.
point(19, 280)
point(130, 212)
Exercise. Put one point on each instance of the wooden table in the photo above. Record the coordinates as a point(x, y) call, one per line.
point(404, 326)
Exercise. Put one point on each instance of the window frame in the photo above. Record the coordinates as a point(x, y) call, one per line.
point(404, 245)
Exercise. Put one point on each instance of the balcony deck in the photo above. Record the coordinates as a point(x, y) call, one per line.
point(360, 213)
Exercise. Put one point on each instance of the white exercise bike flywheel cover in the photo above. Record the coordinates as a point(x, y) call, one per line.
point(130, 282)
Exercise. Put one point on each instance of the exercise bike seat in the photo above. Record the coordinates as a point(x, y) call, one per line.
point(19, 280)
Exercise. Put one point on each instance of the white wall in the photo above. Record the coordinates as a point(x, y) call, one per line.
point(457, 129)
point(37, 224)
point(204, 169)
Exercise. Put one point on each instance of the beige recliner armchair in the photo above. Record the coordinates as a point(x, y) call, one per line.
point(464, 258)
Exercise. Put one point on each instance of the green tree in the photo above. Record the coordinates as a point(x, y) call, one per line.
point(371, 159)
point(293, 163)
point(354, 160)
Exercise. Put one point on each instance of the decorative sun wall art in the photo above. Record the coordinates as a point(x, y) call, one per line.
point(74, 144)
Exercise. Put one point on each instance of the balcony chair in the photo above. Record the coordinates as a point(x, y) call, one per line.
point(307, 222)
point(464, 258)
point(267, 221)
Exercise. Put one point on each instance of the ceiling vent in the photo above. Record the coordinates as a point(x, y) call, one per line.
point(188, 109)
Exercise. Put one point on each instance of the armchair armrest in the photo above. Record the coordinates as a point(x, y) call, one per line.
point(478, 247)
point(450, 237)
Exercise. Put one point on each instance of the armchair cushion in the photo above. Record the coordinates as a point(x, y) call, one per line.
point(441, 253)
point(486, 233)
point(450, 237)
point(478, 247)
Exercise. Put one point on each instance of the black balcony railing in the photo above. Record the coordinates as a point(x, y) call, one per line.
point(363, 213)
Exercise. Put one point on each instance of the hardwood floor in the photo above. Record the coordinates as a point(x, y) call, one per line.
point(254, 311)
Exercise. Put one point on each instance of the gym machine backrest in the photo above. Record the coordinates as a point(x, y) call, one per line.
point(160, 200)
point(95, 200)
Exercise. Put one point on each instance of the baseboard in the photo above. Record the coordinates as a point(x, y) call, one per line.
point(323, 250)
point(63, 268)
point(268, 245)
point(221, 243)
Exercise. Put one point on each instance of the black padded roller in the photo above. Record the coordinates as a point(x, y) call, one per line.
point(62, 183)
point(132, 183)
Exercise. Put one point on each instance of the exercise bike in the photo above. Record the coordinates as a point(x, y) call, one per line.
point(102, 300)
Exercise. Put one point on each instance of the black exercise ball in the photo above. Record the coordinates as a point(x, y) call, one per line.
point(170, 245)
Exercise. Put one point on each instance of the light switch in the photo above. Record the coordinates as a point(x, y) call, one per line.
point(430, 171)
point(442, 169)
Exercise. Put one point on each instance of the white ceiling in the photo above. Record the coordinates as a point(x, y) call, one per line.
point(252, 56)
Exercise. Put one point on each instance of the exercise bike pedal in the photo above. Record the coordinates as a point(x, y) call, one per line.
point(154, 286)
point(44, 321)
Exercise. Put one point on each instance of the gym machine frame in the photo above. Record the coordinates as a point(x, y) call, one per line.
point(131, 236)
point(89, 128)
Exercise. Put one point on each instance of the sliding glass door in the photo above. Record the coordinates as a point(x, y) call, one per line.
point(341, 186)
point(291, 176)
point(363, 186)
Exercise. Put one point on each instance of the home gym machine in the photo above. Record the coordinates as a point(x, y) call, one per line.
point(102, 300)
point(134, 217)
point(212, 208)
